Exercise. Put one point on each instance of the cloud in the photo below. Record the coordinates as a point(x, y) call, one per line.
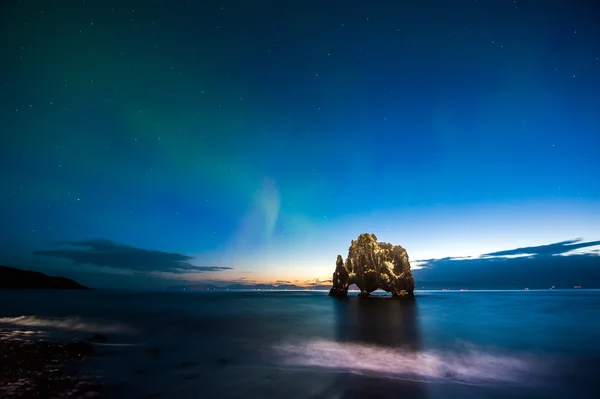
point(106, 253)
point(533, 267)
point(557, 248)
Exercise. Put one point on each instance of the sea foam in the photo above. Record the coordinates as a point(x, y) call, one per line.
point(67, 324)
point(472, 366)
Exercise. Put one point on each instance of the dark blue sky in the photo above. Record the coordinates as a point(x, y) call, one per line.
point(263, 136)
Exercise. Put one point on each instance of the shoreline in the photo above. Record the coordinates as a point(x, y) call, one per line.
point(48, 369)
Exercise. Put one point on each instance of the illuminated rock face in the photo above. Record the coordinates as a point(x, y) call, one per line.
point(372, 265)
point(340, 279)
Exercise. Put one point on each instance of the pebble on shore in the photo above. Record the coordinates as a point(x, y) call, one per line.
point(39, 369)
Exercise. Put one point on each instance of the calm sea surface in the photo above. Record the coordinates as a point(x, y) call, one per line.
point(502, 344)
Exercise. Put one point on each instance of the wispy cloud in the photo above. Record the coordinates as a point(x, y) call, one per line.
point(258, 224)
point(547, 250)
point(106, 253)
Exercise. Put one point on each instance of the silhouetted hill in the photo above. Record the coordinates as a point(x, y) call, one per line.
point(13, 278)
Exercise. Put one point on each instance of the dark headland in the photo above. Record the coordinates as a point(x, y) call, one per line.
point(13, 278)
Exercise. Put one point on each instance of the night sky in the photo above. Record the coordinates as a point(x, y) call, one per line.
point(146, 142)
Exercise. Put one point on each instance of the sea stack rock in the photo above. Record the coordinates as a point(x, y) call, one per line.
point(340, 279)
point(372, 265)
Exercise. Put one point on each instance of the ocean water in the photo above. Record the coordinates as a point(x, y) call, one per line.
point(304, 344)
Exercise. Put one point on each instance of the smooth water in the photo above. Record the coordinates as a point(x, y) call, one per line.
point(502, 344)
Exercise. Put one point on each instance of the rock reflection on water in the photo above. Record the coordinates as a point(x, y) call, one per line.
point(385, 323)
point(378, 320)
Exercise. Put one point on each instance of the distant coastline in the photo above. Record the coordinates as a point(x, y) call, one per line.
point(424, 286)
point(323, 289)
point(13, 278)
